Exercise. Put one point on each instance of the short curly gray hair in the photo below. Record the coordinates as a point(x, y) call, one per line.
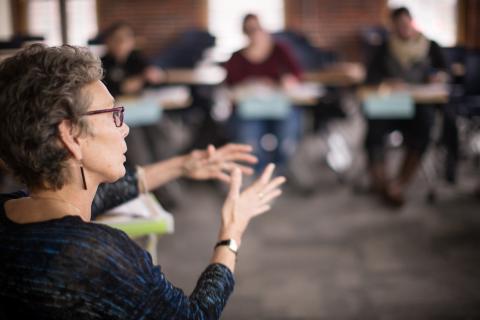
point(40, 87)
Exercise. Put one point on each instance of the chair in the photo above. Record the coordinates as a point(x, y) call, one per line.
point(461, 125)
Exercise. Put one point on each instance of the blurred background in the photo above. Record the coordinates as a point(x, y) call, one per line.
point(380, 218)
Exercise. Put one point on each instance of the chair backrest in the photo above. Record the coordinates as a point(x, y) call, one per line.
point(371, 38)
point(308, 56)
point(186, 50)
point(472, 73)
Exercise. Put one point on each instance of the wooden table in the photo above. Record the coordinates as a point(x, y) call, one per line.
point(204, 75)
point(338, 74)
point(342, 74)
point(421, 94)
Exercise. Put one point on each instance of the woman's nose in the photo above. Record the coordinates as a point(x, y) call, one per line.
point(125, 130)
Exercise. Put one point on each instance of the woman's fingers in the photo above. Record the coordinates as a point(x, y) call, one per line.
point(268, 197)
point(275, 183)
point(210, 151)
point(261, 210)
point(221, 176)
point(240, 156)
point(235, 184)
point(237, 152)
point(266, 175)
point(231, 147)
point(230, 166)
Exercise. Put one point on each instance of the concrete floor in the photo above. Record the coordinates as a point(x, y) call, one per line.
point(339, 255)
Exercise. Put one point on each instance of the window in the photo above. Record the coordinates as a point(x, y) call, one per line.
point(44, 20)
point(437, 19)
point(5, 20)
point(82, 21)
point(225, 18)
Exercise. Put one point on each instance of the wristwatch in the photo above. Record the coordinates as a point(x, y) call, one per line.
point(230, 243)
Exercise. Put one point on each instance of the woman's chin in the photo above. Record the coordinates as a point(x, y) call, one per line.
point(117, 175)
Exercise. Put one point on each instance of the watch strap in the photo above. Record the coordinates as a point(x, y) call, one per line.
point(230, 244)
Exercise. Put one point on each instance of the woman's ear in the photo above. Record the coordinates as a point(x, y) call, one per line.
point(69, 138)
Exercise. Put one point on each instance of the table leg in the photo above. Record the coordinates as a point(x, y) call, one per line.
point(152, 247)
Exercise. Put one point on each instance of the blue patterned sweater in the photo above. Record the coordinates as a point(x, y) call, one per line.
point(69, 269)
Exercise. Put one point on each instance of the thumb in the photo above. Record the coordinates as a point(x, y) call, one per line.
point(235, 184)
point(210, 151)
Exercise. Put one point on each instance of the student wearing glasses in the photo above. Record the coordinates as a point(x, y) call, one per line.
point(62, 135)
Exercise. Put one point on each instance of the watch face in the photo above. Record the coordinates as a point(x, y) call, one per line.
point(230, 244)
point(233, 245)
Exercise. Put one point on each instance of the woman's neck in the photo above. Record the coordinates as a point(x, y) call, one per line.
point(44, 205)
point(258, 51)
point(75, 200)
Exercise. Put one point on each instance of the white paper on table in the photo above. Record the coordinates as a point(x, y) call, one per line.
point(145, 206)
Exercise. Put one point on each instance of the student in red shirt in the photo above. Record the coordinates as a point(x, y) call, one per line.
point(269, 63)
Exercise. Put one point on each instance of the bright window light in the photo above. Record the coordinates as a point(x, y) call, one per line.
point(44, 20)
point(225, 19)
point(437, 19)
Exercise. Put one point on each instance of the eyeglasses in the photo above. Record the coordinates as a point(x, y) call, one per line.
point(117, 113)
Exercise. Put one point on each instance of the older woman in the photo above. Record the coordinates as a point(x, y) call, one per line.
point(62, 135)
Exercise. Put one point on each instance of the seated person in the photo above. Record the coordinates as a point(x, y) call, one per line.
point(270, 63)
point(61, 134)
point(127, 71)
point(407, 57)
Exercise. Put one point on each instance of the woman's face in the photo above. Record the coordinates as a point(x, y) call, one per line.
point(403, 27)
point(103, 147)
point(253, 30)
point(121, 42)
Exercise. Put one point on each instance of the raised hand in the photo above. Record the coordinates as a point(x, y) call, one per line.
point(241, 206)
point(219, 164)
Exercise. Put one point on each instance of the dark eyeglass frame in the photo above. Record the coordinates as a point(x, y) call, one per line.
point(117, 113)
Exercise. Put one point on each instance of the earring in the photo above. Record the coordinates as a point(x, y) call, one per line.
point(83, 178)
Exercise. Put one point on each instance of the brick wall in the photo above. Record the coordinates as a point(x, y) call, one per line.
point(156, 22)
point(335, 24)
point(330, 24)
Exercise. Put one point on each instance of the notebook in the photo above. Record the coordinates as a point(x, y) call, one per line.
point(395, 105)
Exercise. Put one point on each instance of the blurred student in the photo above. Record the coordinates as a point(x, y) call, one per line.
point(127, 71)
point(407, 57)
point(267, 63)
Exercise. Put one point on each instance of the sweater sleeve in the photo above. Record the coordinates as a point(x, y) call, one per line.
point(110, 195)
point(143, 291)
point(376, 71)
point(235, 72)
point(207, 301)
